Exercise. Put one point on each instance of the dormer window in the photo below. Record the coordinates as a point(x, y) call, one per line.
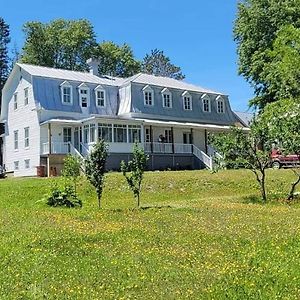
point(220, 105)
point(166, 98)
point(100, 96)
point(84, 95)
point(206, 103)
point(187, 101)
point(148, 96)
point(66, 93)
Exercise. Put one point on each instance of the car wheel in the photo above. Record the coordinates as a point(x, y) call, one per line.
point(276, 165)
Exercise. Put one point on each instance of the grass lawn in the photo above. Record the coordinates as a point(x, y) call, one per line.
point(201, 238)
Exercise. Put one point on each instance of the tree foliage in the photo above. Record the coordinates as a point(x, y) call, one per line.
point(250, 150)
point(72, 169)
point(157, 63)
point(65, 44)
point(283, 121)
point(4, 58)
point(256, 27)
point(95, 167)
point(134, 171)
point(115, 60)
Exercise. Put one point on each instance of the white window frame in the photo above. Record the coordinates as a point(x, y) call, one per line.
point(187, 95)
point(27, 164)
point(15, 101)
point(147, 90)
point(16, 140)
point(220, 103)
point(99, 88)
point(105, 132)
point(26, 137)
point(16, 165)
point(134, 133)
point(166, 92)
point(26, 96)
point(84, 87)
point(204, 98)
point(66, 84)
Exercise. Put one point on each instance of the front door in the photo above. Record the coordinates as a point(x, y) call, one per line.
point(187, 138)
point(67, 138)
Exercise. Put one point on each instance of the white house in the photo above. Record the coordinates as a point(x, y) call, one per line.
point(51, 112)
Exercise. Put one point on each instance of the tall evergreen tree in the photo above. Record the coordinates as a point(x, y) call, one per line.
point(157, 63)
point(4, 58)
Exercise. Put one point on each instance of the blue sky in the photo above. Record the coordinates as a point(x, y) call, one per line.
point(195, 34)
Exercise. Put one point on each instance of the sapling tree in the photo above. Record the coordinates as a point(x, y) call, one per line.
point(72, 169)
point(134, 171)
point(249, 150)
point(95, 167)
point(283, 121)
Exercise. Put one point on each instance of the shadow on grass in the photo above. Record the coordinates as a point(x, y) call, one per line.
point(154, 207)
point(252, 199)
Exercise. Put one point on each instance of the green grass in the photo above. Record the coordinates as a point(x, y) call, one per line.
point(201, 238)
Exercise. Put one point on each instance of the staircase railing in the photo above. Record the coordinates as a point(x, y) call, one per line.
point(206, 159)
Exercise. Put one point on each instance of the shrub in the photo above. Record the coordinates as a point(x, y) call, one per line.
point(63, 197)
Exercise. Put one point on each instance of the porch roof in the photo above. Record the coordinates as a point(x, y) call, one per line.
point(187, 124)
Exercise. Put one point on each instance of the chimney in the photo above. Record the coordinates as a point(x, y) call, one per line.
point(93, 64)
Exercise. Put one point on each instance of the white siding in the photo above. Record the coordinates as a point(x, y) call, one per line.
point(24, 116)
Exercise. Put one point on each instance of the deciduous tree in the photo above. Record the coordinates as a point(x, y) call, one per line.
point(157, 63)
point(134, 171)
point(65, 44)
point(95, 167)
point(255, 30)
point(115, 60)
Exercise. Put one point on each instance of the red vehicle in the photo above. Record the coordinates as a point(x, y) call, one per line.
point(279, 160)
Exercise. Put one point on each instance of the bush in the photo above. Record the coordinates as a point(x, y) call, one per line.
point(63, 197)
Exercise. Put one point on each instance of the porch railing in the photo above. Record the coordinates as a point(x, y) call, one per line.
point(56, 148)
point(167, 148)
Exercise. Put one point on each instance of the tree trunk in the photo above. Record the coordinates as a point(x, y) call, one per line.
point(263, 187)
point(291, 194)
point(138, 200)
point(99, 200)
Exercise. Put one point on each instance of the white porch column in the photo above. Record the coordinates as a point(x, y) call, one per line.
point(127, 134)
point(143, 136)
point(112, 133)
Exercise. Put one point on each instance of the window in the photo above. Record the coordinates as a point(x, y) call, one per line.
point(105, 132)
point(166, 98)
point(134, 133)
point(84, 95)
point(187, 101)
point(27, 163)
point(148, 96)
point(86, 129)
point(26, 99)
point(147, 135)
point(26, 137)
point(92, 133)
point(205, 103)
point(66, 93)
point(100, 96)
point(120, 133)
point(168, 136)
point(16, 165)
point(220, 105)
point(15, 101)
point(16, 139)
point(67, 134)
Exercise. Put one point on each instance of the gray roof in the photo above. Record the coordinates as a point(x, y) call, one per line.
point(167, 82)
point(114, 81)
point(70, 75)
point(244, 117)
